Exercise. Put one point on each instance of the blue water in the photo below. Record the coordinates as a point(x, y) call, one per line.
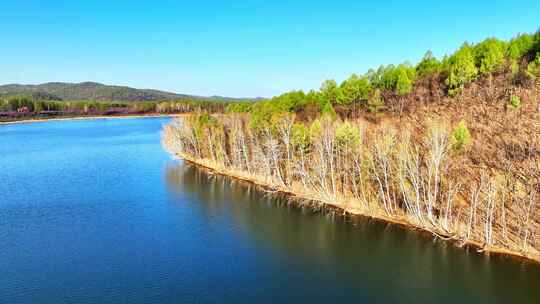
point(96, 212)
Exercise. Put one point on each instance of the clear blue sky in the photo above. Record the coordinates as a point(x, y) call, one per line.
point(237, 48)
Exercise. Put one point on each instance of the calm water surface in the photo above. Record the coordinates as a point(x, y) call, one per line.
point(96, 212)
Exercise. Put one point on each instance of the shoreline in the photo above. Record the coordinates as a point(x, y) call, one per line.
point(479, 247)
point(94, 117)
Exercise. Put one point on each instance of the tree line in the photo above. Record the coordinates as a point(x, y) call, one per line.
point(25, 105)
point(420, 180)
point(520, 56)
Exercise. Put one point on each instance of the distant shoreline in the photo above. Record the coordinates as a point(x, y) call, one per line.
point(30, 120)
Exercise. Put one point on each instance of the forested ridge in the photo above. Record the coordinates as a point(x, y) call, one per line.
point(448, 145)
point(93, 91)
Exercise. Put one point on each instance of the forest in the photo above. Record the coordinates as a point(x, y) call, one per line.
point(450, 146)
point(28, 107)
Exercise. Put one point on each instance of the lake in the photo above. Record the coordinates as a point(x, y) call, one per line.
point(95, 211)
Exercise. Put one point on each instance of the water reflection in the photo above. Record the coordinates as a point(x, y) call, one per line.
point(386, 261)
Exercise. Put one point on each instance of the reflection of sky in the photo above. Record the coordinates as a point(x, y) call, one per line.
point(97, 212)
point(61, 160)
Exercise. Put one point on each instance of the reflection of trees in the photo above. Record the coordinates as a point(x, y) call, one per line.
point(359, 251)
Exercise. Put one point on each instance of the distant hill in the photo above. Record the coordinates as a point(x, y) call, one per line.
point(97, 92)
